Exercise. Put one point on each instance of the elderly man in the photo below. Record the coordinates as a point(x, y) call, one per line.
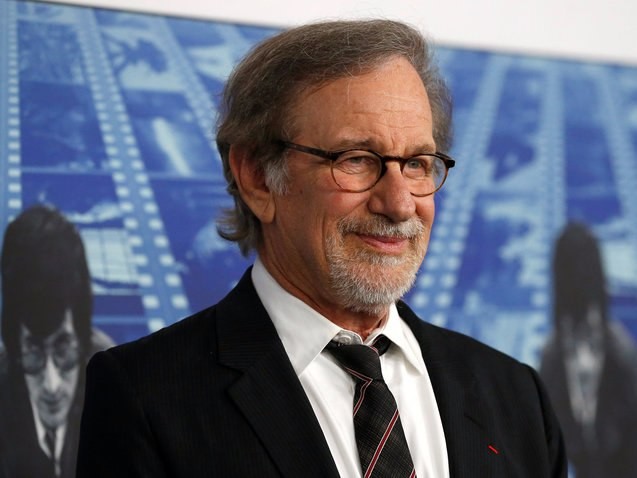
point(331, 137)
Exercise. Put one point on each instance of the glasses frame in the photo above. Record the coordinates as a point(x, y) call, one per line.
point(64, 360)
point(332, 156)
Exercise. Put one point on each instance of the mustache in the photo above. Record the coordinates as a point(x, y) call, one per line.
point(382, 226)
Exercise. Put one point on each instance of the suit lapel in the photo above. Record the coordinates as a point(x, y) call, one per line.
point(471, 449)
point(268, 393)
point(271, 397)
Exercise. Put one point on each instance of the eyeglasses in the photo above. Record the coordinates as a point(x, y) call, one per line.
point(65, 352)
point(358, 170)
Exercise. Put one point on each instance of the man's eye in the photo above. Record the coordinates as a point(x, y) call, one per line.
point(32, 346)
point(416, 164)
point(61, 343)
point(356, 162)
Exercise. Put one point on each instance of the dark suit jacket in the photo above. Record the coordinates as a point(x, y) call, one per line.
point(20, 452)
point(215, 395)
point(610, 448)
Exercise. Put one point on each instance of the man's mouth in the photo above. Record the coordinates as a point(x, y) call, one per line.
point(385, 244)
point(53, 405)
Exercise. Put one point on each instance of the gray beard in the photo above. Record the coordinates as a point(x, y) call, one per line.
point(358, 278)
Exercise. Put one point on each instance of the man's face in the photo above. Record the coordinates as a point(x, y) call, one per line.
point(51, 369)
point(354, 251)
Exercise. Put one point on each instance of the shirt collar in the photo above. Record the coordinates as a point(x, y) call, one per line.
point(305, 333)
point(60, 433)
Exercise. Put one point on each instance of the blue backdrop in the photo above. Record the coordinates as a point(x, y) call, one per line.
point(109, 116)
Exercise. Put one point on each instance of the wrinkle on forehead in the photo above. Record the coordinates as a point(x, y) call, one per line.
point(386, 107)
point(376, 75)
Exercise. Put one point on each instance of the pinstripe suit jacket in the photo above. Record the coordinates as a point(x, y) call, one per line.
point(215, 395)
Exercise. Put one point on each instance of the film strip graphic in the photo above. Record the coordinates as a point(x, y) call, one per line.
point(438, 280)
point(546, 194)
point(623, 150)
point(138, 252)
point(10, 193)
point(146, 85)
point(158, 279)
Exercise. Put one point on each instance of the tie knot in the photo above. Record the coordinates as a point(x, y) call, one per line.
point(362, 361)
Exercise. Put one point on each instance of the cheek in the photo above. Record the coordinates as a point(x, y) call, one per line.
point(426, 210)
point(326, 208)
point(34, 384)
point(70, 380)
point(342, 204)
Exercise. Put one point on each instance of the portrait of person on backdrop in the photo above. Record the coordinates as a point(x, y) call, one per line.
point(334, 139)
point(47, 339)
point(589, 363)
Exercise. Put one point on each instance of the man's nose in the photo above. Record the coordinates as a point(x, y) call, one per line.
point(52, 378)
point(391, 197)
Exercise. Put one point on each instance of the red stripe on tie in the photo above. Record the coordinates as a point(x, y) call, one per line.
point(362, 397)
point(359, 375)
point(493, 449)
point(381, 445)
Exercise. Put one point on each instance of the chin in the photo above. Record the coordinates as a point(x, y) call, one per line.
point(371, 286)
point(54, 420)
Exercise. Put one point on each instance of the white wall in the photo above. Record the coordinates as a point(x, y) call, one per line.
point(590, 29)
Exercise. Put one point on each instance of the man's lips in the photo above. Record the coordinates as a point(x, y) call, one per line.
point(52, 403)
point(387, 244)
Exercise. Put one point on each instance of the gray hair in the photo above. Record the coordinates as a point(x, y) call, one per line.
point(261, 92)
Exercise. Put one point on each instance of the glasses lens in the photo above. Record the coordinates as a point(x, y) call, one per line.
point(32, 361)
point(359, 170)
point(67, 357)
point(356, 170)
point(65, 354)
point(424, 174)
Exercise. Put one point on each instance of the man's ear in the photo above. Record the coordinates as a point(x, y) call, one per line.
point(251, 183)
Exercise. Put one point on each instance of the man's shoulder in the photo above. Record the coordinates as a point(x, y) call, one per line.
point(163, 362)
point(452, 357)
point(189, 333)
point(186, 343)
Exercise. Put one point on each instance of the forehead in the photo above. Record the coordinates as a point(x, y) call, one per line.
point(386, 107)
point(66, 327)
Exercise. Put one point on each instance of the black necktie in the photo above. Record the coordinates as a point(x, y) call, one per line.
point(380, 439)
point(49, 439)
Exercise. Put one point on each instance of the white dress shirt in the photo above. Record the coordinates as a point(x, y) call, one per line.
point(305, 333)
point(60, 433)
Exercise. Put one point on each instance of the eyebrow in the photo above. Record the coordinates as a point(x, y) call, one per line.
point(368, 143)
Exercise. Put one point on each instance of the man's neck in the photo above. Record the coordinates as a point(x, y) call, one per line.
point(361, 322)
